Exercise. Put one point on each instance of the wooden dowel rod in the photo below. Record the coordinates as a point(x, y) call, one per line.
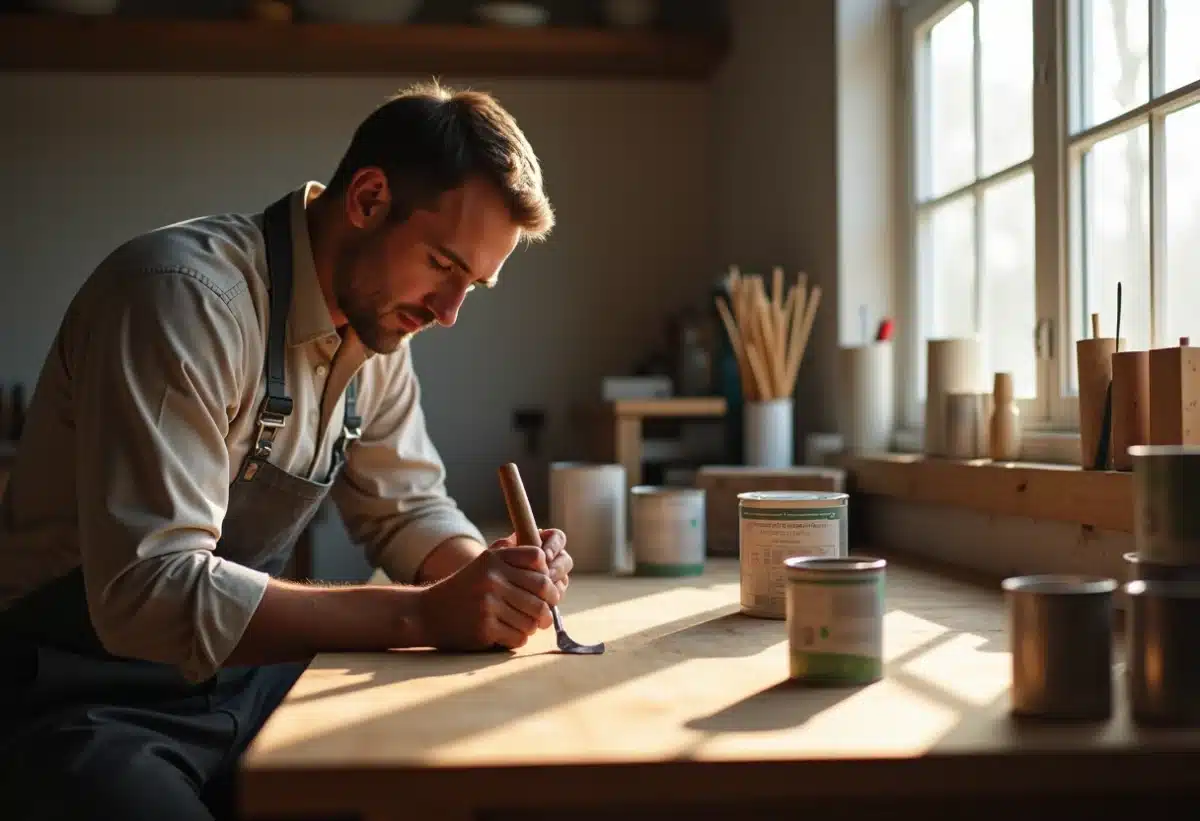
point(519, 510)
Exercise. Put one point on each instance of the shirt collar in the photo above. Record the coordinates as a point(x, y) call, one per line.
point(308, 317)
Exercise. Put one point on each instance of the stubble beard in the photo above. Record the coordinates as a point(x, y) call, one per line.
point(359, 308)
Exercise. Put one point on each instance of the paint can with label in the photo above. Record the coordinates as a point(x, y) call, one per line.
point(835, 619)
point(668, 530)
point(774, 526)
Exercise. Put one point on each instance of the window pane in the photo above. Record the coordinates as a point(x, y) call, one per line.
point(1181, 279)
point(1114, 46)
point(1009, 303)
point(951, 131)
point(1116, 241)
point(1006, 71)
point(947, 265)
point(1183, 32)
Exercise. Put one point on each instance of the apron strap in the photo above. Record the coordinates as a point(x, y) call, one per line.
point(351, 428)
point(276, 405)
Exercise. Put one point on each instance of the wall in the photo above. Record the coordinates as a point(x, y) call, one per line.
point(658, 187)
point(775, 120)
point(98, 159)
point(867, 236)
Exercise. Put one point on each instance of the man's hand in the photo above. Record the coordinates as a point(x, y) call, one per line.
point(554, 544)
point(502, 597)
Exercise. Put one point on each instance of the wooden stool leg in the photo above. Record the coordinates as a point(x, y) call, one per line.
point(629, 447)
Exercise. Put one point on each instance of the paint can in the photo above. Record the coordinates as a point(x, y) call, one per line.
point(668, 530)
point(1166, 481)
point(776, 525)
point(587, 502)
point(835, 619)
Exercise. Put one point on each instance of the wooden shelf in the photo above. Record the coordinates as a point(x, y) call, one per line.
point(114, 44)
point(1065, 493)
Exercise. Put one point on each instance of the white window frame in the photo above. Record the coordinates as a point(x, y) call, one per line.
point(917, 18)
point(1058, 146)
point(1077, 141)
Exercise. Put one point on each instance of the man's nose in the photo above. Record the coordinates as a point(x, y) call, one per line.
point(445, 305)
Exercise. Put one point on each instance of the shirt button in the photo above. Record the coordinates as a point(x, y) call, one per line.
point(321, 369)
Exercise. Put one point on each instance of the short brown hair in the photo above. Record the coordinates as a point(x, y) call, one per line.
point(429, 139)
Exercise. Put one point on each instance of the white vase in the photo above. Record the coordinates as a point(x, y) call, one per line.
point(768, 433)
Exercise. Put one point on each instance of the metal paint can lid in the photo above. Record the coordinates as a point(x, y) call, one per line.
point(808, 566)
point(666, 490)
point(799, 498)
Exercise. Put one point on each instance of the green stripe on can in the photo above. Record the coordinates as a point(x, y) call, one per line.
point(666, 570)
point(835, 668)
point(793, 513)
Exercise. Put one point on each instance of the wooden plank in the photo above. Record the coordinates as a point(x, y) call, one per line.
point(677, 407)
point(691, 704)
point(115, 44)
point(1102, 499)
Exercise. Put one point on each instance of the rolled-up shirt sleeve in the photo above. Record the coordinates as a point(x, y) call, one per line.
point(392, 493)
point(161, 369)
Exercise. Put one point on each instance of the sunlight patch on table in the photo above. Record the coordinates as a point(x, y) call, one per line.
point(406, 680)
point(885, 719)
point(959, 668)
point(903, 633)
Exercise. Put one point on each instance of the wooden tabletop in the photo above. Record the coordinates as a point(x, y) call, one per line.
point(690, 703)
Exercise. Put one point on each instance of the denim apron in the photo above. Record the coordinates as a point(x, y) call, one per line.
point(137, 734)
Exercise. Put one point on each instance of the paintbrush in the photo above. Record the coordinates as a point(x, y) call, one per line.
point(1102, 447)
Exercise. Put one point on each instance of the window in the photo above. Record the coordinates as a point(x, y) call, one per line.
point(1033, 191)
point(972, 197)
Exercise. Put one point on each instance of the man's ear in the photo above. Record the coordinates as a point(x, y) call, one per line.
point(367, 198)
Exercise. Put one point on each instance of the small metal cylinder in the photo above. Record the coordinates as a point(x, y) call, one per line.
point(1141, 568)
point(1163, 652)
point(1166, 482)
point(1061, 631)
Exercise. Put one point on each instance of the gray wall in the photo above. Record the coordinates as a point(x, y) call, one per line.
point(658, 187)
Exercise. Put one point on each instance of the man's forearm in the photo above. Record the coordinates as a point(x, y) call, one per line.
point(448, 558)
point(293, 622)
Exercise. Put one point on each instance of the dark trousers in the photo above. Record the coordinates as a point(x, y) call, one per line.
point(126, 742)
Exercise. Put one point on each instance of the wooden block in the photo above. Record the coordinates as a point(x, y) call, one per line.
point(723, 483)
point(1131, 405)
point(1175, 396)
point(1094, 367)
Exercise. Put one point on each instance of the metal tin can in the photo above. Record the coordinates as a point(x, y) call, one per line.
point(1166, 481)
point(776, 525)
point(668, 530)
point(835, 619)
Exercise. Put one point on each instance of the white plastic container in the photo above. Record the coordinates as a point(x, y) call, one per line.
point(668, 530)
point(768, 429)
point(587, 502)
point(774, 526)
point(866, 399)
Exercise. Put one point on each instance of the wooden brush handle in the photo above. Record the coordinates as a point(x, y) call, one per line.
point(519, 511)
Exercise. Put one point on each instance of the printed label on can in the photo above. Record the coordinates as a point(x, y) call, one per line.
point(770, 535)
point(835, 629)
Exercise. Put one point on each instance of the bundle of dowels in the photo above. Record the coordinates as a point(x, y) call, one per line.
point(768, 334)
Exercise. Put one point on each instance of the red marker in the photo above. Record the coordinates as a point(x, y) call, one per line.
point(885, 331)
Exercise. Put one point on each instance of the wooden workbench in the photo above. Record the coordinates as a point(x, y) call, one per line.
point(689, 708)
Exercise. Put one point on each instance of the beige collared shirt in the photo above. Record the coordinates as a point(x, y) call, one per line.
point(145, 411)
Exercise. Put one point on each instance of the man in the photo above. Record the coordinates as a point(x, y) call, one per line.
point(210, 383)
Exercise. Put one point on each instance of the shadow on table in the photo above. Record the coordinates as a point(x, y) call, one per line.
point(771, 709)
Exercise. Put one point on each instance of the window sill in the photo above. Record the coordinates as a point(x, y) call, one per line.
point(1065, 493)
point(1057, 447)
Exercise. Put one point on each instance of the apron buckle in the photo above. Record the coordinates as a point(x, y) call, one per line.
point(268, 425)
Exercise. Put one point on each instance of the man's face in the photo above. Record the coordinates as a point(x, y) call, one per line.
point(393, 279)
